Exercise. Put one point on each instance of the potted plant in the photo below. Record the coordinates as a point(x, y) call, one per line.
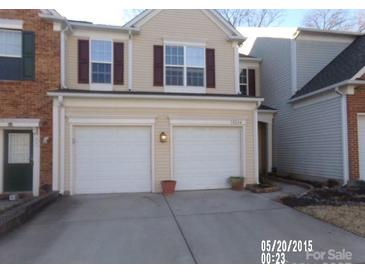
point(237, 182)
point(168, 187)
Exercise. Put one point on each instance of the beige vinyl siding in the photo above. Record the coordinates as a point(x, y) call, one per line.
point(136, 109)
point(182, 26)
point(72, 57)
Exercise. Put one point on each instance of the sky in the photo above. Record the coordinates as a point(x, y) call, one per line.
point(114, 16)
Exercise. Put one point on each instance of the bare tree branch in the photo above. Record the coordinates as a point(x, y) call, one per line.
point(328, 19)
point(252, 18)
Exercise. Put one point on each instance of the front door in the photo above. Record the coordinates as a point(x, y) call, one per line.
point(18, 160)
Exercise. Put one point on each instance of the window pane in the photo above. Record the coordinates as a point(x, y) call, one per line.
point(174, 55)
point(195, 77)
point(10, 43)
point(195, 57)
point(101, 73)
point(101, 51)
point(243, 89)
point(243, 76)
point(19, 148)
point(174, 76)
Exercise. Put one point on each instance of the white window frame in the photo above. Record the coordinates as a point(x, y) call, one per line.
point(101, 86)
point(247, 80)
point(21, 44)
point(184, 87)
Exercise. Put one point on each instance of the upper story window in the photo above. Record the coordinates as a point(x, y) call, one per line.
point(10, 43)
point(184, 66)
point(101, 61)
point(243, 81)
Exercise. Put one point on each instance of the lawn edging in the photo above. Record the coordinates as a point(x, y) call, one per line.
point(18, 215)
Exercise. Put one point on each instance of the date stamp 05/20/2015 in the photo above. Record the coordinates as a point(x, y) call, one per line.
point(277, 251)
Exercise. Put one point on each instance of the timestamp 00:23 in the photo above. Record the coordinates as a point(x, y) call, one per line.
point(274, 251)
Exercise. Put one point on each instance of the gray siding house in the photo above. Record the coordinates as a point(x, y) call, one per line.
point(309, 138)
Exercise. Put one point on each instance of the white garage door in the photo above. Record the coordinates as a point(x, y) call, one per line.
point(204, 157)
point(112, 159)
point(361, 141)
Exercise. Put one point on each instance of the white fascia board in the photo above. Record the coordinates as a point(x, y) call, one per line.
point(360, 73)
point(253, 59)
point(161, 97)
point(340, 84)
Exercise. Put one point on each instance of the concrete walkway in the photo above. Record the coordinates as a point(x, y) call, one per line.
point(217, 226)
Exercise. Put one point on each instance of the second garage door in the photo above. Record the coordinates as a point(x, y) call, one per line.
point(205, 157)
point(112, 159)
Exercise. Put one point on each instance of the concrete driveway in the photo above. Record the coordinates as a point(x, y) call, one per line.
point(217, 226)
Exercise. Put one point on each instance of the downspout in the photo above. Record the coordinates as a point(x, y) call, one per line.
point(63, 55)
point(130, 54)
point(344, 135)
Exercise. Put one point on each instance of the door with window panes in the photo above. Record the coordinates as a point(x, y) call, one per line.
point(18, 160)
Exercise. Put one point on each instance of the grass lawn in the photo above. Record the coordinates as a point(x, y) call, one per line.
point(348, 217)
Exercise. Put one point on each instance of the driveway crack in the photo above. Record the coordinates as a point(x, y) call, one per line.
point(180, 229)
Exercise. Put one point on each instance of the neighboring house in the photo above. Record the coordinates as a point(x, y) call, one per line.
point(158, 98)
point(315, 81)
point(29, 68)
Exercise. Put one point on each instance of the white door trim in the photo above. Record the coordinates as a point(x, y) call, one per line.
point(76, 122)
point(22, 124)
point(208, 123)
point(361, 176)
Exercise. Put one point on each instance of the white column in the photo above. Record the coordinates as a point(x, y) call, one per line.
point(255, 144)
point(62, 150)
point(345, 156)
point(55, 144)
point(36, 161)
point(269, 146)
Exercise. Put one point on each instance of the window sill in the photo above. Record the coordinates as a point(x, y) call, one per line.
point(180, 89)
point(103, 87)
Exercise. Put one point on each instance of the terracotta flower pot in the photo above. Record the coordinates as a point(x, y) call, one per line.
point(237, 183)
point(168, 187)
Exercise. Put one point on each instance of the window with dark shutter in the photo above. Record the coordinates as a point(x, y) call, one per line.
point(118, 63)
point(251, 82)
point(28, 52)
point(210, 67)
point(158, 65)
point(83, 61)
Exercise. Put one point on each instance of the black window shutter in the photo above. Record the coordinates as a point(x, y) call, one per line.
point(28, 52)
point(83, 61)
point(157, 65)
point(251, 82)
point(118, 63)
point(210, 67)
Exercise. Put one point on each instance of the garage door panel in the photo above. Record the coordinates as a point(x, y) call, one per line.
point(361, 141)
point(112, 159)
point(204, 157)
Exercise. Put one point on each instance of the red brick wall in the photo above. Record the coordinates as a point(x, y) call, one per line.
point(355, 105)
point(28, 99)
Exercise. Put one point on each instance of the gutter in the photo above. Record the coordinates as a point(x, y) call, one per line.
point(334, 86)
point(161, 97)
point(251, 59)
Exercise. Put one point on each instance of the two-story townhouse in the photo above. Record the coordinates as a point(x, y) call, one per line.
point(313, 79)
point(158, 98)
point(29, 68)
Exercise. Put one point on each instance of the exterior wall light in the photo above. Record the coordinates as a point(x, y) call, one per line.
point(163, 137)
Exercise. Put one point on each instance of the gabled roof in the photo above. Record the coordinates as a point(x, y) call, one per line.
point(146, 15)
point(343, 68)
